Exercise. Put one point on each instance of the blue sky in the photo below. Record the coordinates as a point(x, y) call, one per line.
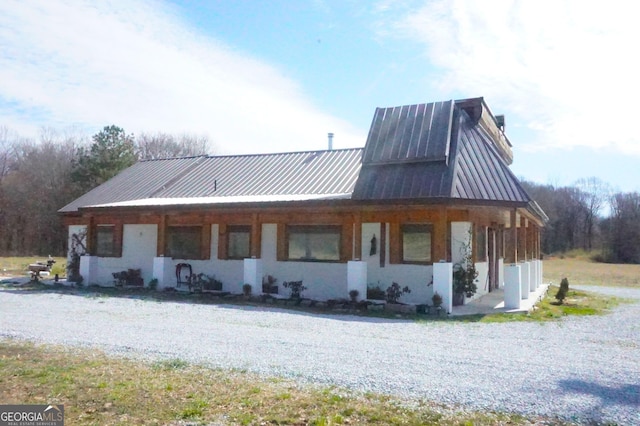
point(277, 76)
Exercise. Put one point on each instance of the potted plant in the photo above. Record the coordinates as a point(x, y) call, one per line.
point(436, 299)
point(246, 290)
point(465, 274)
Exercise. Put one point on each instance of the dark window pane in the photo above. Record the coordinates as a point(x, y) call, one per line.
point(239, 242)
point(184, 242)
point(104, 240)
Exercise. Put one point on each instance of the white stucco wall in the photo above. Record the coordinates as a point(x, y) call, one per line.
point(417, 277)
point(138, 250)
point(323, 280)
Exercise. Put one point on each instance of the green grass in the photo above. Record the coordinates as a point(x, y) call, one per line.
point(577, 303)
point(96, 389)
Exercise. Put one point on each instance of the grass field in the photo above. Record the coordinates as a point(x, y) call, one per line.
point(99, 390)
point(580, 270)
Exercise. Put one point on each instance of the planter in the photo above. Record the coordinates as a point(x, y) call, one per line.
point(458, 299)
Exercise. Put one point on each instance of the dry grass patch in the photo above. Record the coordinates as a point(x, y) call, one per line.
point(17, 266)
point(580, 270)
point(96, 389)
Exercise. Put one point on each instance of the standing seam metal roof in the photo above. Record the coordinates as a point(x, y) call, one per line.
point(297, 173)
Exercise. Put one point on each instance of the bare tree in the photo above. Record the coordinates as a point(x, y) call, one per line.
point(595, 194)
point(164, 145)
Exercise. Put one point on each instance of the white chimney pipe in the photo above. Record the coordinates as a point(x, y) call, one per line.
point(330, 135)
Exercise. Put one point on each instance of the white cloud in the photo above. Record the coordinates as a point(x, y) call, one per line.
point(567, 70)
point(136, 65)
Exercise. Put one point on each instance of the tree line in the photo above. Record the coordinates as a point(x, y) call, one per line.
point(40, 176)
point(590, 216)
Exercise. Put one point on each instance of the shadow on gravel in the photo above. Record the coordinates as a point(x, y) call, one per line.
point(625, 394)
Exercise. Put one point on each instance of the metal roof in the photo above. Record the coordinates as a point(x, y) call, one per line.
point(412, 133)
point(472, 168)
point(219, 179)
point(437, 151)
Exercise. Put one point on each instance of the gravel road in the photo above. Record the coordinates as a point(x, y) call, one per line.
point(584, 369)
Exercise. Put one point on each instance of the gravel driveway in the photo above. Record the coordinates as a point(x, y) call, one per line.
point(583, 368)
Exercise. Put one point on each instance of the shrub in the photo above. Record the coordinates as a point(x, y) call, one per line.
point(394, 292)
point(153, 284)
point(353, 294)
point(562, 291)
point(436, 299)
point(295, 287)
point(246, 289)
point(376, 293)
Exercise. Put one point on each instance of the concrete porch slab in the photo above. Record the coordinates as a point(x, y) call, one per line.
point(493, 303)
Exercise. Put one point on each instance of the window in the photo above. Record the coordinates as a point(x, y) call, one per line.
point(314, 242)
point(105, 241)
point(184, 242)
point(416, 243)
point(239, 242)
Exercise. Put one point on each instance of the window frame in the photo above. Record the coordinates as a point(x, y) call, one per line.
point(314, 229)
point(197, 229)
point(428, 227)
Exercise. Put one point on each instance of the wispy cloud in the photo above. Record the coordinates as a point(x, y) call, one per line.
point(137, 65)
point(567, 70)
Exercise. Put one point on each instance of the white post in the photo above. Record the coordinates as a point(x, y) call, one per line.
point(253, 274)
point(357, 278)
point(541, 272)
point(524, 280)
point(512, 286)
point(500, 273)
point(163, 271)
point(532, 276)
point(89, 269)
point(443, 283)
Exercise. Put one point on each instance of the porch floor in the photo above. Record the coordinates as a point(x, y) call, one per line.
point(493, 303)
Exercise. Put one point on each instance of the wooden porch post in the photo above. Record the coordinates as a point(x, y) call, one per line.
point(357, 236)
point(162, 236)
point(512, 250)
point(91, 233)
point(522, 239)
point(256, 236)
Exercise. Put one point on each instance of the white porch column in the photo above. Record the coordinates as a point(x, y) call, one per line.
point(89, 269)
point(532, 276)
point(512, 286)
point(443, 283)
point(253, 275)
point(357, 278)
point(500, 273)
point(541, 271)
point(524, 280)
point(164, 272)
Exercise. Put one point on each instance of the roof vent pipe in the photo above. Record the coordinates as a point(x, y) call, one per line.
point(330, 135)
